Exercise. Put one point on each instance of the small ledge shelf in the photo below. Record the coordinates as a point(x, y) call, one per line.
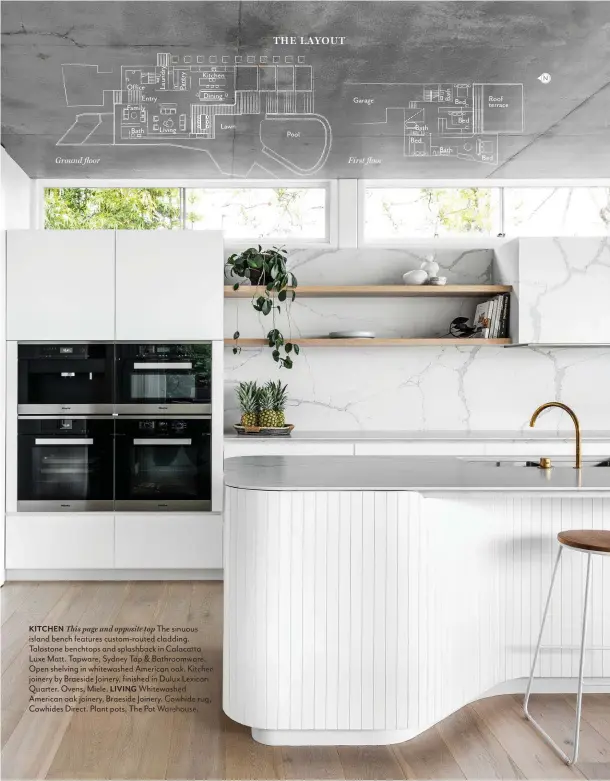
point(381, 291)
point(380, 342)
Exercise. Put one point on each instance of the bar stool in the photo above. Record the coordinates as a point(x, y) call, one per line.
point(591, 543)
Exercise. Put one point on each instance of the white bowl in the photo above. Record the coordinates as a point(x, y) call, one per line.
point(416, 277)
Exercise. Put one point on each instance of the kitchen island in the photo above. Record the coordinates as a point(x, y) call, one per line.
point(366, 599)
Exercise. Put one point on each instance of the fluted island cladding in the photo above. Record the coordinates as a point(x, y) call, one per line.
point(379, 613)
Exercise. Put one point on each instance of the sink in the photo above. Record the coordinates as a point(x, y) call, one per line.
point(562, 461)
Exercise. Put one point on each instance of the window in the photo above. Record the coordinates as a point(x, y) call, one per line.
point(403, 212)
point(557, 211)
point(99, 208)
point(394, 213)
point(301, 212)
point(240, 212)
point(259, 212)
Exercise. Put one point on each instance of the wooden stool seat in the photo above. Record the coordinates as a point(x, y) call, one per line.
point(595, 540)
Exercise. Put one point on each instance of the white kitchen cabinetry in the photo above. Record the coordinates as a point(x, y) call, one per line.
point(60, 285)
point(561, 289)
point(166, 541)
point(419, 447)
point(285, 447)
point(72, 541)
point(169, 285)
point(556, 446)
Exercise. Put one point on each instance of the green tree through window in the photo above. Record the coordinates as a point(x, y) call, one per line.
point(99, 208)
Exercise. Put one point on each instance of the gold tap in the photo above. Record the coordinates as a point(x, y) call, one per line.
point(575, 420)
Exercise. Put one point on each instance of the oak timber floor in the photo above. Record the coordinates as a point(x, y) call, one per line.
point(486, 740)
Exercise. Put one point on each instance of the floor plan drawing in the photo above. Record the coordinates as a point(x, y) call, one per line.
point(203, 102)
point(251, 112)
point(461, 120)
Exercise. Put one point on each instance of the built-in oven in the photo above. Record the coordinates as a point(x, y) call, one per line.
point(164, 378)
point(163, 463)
point(65, 464)
point(68, 379)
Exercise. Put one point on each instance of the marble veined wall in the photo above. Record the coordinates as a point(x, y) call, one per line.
point(411, 388)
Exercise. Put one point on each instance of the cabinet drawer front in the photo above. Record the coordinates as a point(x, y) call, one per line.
point(56, 541)
point(165, 541)
point(287, 447)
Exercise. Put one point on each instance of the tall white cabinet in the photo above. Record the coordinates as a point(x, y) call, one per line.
point(107, 285)
point(169, 285)
point(76, 286)
point(60, 285)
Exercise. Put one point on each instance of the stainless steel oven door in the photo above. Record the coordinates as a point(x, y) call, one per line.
point(163, 464)
point(164, 379)
point(65, 464)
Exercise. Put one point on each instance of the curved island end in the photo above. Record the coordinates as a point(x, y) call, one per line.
point(367, 598)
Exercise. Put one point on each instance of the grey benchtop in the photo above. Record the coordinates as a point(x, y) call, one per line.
point(407, 473)
point(526, 435)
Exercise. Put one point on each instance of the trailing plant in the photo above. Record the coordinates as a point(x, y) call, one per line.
point(266, 270)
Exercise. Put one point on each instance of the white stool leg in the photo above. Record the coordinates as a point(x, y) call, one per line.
point(547, 738)
point(528, 691)
point(581, 668)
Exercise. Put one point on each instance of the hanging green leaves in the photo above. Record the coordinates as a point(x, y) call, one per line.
point(266, 269)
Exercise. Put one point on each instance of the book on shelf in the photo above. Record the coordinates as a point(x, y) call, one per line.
point(504, 323)
point(482, 320)
point(495, 317)
point(491, 318)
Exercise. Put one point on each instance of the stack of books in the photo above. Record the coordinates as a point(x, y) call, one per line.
point(491, 318)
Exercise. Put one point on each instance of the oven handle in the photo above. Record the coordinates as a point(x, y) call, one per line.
point(152, 441)
point(66, 441)
point(175, 365)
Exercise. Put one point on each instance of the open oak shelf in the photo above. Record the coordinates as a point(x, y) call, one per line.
point(327, 342)
point(397, 291)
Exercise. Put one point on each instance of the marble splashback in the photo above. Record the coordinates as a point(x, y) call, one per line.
point(410, 388)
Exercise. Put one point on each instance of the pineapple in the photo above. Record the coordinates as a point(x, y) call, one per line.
point(278, 395)
point(266, 416)
point(247, 395)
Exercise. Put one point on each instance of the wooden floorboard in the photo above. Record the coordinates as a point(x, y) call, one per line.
point(475, 748)
point(486, 740)
point(427, 757)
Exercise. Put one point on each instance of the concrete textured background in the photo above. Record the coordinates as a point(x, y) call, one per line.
point(567, 122)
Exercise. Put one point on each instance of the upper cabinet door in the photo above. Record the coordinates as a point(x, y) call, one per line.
point(60, 285)
point(564, 290)
point(169, 285)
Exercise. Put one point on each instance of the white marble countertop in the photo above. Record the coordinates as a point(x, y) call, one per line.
point(527, 435)
point(410, 473)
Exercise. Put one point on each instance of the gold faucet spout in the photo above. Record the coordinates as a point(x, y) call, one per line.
point(575, 420)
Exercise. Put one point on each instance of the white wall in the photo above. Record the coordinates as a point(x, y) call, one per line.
point(16, 189)
point(16, 194)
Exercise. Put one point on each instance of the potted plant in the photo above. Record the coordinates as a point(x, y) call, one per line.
point(266, 270)
point(247, 396)
point(262, 407)
point(272, 403)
